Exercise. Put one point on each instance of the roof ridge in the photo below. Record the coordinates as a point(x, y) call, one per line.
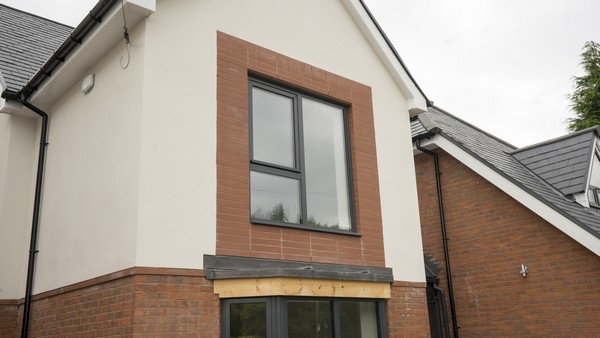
point(559, 138)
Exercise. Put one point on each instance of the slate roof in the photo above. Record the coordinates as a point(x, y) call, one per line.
point(563, 162)
point(26, 42)
point(497, 155)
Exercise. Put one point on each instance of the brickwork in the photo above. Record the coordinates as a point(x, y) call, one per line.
point(235, 235)
point(8, 318)
point(490, 236)
point(132, 303)
point(407, 311)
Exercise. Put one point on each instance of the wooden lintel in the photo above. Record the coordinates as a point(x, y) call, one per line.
point(285, 286)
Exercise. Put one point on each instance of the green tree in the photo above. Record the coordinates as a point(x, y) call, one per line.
point(585, 99)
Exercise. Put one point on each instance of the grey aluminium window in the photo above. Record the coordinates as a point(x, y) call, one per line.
point(300, 172)
point(300, 317)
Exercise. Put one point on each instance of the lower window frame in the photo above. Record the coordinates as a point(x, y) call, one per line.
point(277, 321)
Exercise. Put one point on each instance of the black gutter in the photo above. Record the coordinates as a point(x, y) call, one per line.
point(75, 39)
point(436, 163)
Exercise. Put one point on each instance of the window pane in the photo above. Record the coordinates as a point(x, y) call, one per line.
point(592, 196)
point(248, 320)
point(325, 163)
point(358, 320)
point(309, 319)
point(272, 128)
point(274, 198)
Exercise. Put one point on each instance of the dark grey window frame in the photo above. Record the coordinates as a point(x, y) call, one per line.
point(277, 313)
point(298, 172)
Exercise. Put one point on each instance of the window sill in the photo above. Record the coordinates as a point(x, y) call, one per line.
point(307, 227)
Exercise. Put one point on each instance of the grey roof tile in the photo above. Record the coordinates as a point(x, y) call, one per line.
point(516, 164)
point(571, 156)
point(26, 42)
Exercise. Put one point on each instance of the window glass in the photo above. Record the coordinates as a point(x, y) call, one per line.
point(325, 165)
point(248, 320)
point(358, 320)
point(298, 146)
point(309, 319)
point(595, 178)
point(272, 128)
point(592, 196)
point(274, 198)
point(295, 317)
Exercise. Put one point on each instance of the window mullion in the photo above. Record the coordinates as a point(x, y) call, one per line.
point(300, 158)
point(335, 317)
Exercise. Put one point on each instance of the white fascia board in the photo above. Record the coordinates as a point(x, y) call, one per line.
point(94, 46)
point(541, 209)
point(416, 101)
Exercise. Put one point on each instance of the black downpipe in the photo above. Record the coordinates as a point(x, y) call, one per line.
point(444, 311)
point(36, 216)
point(438, 182)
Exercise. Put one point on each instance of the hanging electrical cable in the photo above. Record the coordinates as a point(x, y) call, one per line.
point(126, 37)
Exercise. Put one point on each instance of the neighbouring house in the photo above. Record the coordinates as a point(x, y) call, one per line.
point(240, 168)
point(516, 229)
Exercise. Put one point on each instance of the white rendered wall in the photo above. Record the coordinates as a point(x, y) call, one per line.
point(131, 167)
point(178, 178)
point(18, 160)
point(89, 205)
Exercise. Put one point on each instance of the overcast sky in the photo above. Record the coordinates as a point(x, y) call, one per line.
point(503, 65)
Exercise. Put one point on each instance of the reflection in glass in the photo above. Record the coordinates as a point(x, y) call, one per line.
point(325, 164)
point(274, 198)
point(309, 319)
point(358, 320)
point(272, 128)
point(248, 320)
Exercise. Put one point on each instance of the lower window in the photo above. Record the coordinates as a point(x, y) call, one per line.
point(295, 317)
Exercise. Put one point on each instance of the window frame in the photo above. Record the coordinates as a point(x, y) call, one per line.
point(277, 311)
point(299, 171)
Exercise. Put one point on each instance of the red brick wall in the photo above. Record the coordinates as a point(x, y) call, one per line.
point(407, 311)
point(235, 235)
point(132, 302)
point(490, 236)
point(8, 318)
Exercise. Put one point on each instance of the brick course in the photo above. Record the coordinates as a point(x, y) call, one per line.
point(135, 302)
point(490, 236)
point(236, 236)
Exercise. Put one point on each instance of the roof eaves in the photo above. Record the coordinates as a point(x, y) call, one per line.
point(394, 51)
point(473, 126)
point(75, 39)
point(523, 187)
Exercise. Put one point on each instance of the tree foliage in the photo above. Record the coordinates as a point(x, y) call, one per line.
point(585, 99)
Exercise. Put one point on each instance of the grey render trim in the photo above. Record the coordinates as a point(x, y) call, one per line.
point(229, 267)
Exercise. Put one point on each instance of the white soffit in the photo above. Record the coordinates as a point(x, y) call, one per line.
point(95, 45)
point(544, 211)
point(416, 101)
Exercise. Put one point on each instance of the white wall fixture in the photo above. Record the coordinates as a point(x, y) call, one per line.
point(524, 270)
point(88, 83)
